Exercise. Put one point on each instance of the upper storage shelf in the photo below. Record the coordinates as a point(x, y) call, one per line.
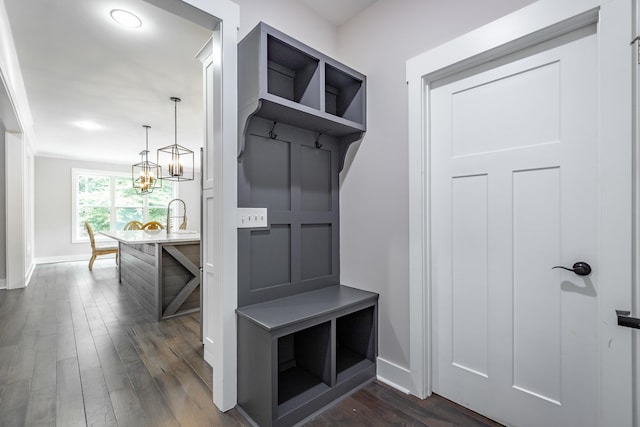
point(286, 81)
point(292, 74)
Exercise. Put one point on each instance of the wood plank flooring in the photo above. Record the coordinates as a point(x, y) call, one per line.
point(75, 351)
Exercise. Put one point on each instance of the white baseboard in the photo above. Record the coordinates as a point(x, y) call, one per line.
point(394, 375)
point(208, 351)
point(63, 258)
point(27, 277)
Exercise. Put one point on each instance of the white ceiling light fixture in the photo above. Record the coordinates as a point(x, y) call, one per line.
point(126, 18)
point(87, 125)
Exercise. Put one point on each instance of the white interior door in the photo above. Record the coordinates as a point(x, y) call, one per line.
point(514, 193)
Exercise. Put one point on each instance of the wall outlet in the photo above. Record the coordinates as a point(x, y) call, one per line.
point(252, 218)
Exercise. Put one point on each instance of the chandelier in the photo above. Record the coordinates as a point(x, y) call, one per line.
point(145, 174)
point(179, 159)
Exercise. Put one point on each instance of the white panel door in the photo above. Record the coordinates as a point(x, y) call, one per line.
point(514, 193)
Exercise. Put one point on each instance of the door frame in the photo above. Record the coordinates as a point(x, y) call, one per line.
point(542, 20)
point(220, 296)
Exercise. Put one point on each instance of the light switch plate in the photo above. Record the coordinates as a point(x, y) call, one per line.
point(252, 218)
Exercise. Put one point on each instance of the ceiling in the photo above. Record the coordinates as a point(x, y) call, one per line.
point(338, 11)
point(81, 67)
point(92, 84)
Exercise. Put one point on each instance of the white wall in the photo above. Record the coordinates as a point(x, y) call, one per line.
point(374, 201)
point(292, 18)
point(53, 207)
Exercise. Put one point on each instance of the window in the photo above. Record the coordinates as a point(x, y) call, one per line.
point(107, 200)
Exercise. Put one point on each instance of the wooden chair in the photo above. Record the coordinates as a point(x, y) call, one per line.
point(96, 251)
point(133, 225)
point(152, 225)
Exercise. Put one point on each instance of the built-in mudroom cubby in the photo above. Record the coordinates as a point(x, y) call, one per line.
point(304, 339)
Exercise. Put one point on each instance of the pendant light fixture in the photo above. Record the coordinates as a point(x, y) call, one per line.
point(178, 159)
point(145, 174)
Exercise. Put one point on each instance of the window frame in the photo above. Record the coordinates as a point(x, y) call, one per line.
point(112, 175)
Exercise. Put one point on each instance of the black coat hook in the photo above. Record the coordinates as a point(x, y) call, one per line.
point(318, 145)
point(272, 134)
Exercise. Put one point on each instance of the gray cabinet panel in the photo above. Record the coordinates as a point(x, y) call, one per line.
point(268, 167)
point(255, 361)
point(316, 251)
point(270, 256)
point(315, 179)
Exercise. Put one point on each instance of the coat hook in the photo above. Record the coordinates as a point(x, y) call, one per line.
point(272, 134)
point(318, 145)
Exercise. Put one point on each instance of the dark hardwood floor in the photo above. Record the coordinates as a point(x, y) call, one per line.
point(75, 351)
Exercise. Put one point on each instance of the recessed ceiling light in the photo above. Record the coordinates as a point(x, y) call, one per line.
point(126, 18)
point(87, 125)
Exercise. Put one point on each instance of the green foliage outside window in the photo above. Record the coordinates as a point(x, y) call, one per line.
point(98, 217)
point(93, 190)
point(126, 195)
point(108, 202)
point(129, 205)
point(92, 197)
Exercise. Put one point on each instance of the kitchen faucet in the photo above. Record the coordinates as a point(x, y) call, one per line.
point(183, 223)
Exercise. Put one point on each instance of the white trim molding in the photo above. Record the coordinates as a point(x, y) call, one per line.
point(540, 21)
point(30, 270)
point(224, 295)
point(636, 216)
point(11, 76)
point(394, 375)
point(223, 19)
point(16, 218)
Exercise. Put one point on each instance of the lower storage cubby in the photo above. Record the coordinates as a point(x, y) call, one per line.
point(304, 363)
point(355, 342)
point(298, 354)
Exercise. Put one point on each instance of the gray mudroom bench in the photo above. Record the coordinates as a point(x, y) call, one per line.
point(304, 339)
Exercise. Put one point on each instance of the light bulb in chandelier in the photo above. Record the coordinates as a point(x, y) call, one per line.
point(176, 168)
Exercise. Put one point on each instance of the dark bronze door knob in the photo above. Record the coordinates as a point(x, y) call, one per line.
point(580, 268)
